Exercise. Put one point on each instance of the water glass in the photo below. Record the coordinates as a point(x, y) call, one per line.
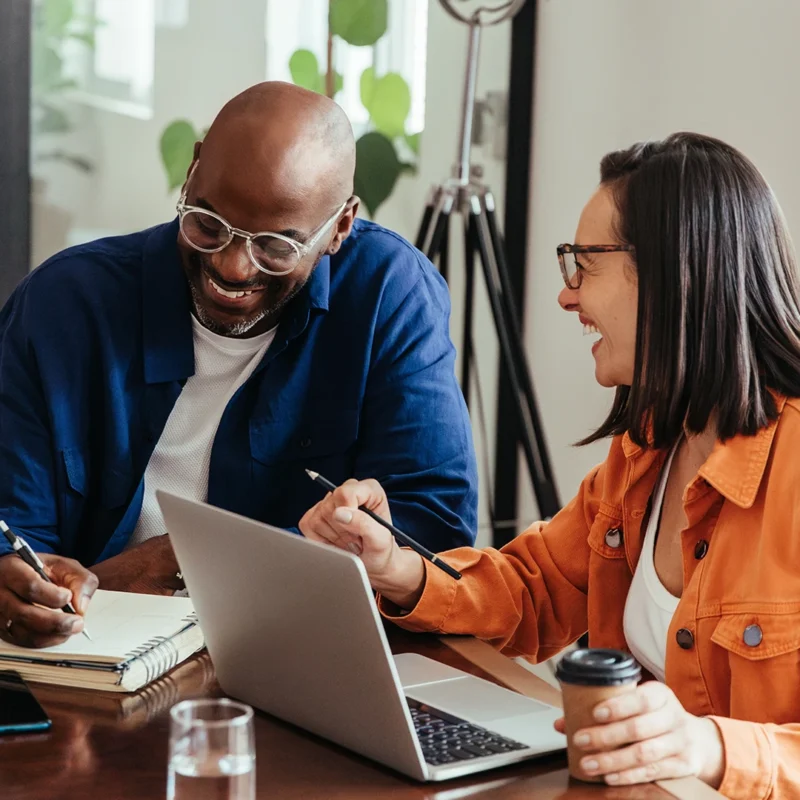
point(211, 751)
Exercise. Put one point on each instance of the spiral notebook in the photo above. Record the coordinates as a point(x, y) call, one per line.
point(136, 638)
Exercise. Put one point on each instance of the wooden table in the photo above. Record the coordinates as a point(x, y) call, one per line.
point(105, 746)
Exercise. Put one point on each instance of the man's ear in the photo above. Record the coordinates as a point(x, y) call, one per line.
point(344, 225)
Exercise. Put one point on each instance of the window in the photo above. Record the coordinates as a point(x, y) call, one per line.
point(303, 24)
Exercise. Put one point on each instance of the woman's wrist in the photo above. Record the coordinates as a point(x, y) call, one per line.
point(404, 579)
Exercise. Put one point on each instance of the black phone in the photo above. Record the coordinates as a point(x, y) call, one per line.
point(20, 711)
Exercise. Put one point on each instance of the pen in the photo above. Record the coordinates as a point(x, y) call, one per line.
point(401, 537)
point(24, 551)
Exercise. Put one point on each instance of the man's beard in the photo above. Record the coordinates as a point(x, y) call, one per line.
point(243, 326)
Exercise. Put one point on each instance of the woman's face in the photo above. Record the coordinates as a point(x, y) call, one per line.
point(606, 300)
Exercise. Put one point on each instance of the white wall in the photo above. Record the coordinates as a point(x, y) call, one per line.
point(615, 72)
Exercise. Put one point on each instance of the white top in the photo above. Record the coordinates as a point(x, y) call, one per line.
point(650, 607)
point(180, 461)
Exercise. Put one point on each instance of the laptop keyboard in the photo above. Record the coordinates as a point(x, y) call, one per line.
point(446, 739)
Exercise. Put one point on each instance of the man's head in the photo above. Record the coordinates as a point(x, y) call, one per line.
point(277, 159)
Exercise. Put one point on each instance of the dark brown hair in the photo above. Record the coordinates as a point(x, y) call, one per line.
point(719, 294)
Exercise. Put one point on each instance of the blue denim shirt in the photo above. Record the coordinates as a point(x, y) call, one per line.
point(359, 382)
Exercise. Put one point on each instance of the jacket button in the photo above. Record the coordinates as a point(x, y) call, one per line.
point(685, 639)
point(700, 549)
point(753, 636)
point(613, 538)
point(305, 443)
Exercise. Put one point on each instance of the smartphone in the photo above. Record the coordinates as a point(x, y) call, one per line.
point(20, 711)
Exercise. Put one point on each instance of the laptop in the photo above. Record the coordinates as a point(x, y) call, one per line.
point(293, 629)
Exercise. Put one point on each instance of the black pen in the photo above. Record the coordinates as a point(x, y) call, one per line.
point(24, 551)
point(401, 537)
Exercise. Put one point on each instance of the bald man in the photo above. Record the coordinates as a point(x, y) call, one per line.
point(263, 331)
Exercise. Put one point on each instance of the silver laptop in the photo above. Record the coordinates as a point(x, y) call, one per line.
point(292, 629)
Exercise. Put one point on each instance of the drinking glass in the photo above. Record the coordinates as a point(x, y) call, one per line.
point(211, 751)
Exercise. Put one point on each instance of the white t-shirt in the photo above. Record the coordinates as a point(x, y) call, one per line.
point(649, 607)
point(181, 458)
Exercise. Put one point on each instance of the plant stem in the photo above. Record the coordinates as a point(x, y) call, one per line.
point(329, 82)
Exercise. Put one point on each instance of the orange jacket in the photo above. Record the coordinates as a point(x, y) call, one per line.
point(733, 651)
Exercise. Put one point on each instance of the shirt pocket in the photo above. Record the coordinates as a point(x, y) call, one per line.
point(606, 535)
point(762, 650)
point(303, 440)
point(110, 489)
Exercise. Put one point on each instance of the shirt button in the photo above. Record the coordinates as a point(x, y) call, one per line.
point(685, 639)
point(753, 636)
point(700, 549)
point(613, 538)
point(305, 443)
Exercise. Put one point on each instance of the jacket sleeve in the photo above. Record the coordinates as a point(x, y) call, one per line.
point(415, 436)
point(762, 760)
point(529, 599)
point(27, 475)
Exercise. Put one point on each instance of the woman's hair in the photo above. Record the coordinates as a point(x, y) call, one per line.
point(719, 293)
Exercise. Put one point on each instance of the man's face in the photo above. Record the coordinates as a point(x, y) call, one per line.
point(231, 295)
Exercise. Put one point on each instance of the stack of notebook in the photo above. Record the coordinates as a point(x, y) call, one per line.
point(136, 638)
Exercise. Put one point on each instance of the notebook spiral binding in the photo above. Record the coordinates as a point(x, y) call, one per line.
point(159, 654)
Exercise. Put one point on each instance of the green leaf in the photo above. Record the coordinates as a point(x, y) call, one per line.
point(177, 150)
point(377, 170)
point(304, 68)
point(46, 66)
point(358, 22)
point(412, 140)
point(79, 162)
point(390, 104)
point(367, 86)
point(51, 120)
point(57, 16)
point(338, 82)
point(87, 37)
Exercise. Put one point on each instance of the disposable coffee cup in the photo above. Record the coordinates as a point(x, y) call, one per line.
point(588, 677)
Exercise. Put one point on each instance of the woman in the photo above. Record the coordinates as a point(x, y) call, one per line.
point(684, 545)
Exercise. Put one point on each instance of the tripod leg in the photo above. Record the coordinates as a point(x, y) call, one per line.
point(424, 226)
point(437, 223)
point(470, 247)
point(532, 435)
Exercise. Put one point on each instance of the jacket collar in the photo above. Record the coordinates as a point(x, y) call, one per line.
point(735, 467)
point(167, 307)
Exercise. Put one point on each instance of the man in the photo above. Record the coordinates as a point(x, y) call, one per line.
point(215, 360)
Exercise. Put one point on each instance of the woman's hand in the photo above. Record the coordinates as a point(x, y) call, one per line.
point(399, 575)
point(654, 738)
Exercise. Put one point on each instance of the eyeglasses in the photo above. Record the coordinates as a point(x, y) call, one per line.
point(272, 253)
point(571, 269)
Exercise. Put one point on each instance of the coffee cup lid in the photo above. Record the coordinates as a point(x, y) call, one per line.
point(598, 667)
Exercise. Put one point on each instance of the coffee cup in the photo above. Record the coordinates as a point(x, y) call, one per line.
point(589, 676)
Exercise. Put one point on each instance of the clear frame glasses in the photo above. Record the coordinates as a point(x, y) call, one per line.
point(272, 253)
point(571, 268)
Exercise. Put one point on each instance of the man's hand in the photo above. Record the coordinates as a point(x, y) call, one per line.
point(655, 738)
point(30, 613)
point(148, 568)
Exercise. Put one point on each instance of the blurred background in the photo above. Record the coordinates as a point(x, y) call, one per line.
point(102, 100)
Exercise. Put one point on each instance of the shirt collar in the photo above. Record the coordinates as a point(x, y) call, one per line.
point(167, 305)
point(735, 467)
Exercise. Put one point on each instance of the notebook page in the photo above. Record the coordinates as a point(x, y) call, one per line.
point(119, 623)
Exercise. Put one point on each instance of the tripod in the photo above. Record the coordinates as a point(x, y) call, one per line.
point(465, 194)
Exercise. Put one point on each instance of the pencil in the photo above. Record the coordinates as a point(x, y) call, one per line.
point(401, 537)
